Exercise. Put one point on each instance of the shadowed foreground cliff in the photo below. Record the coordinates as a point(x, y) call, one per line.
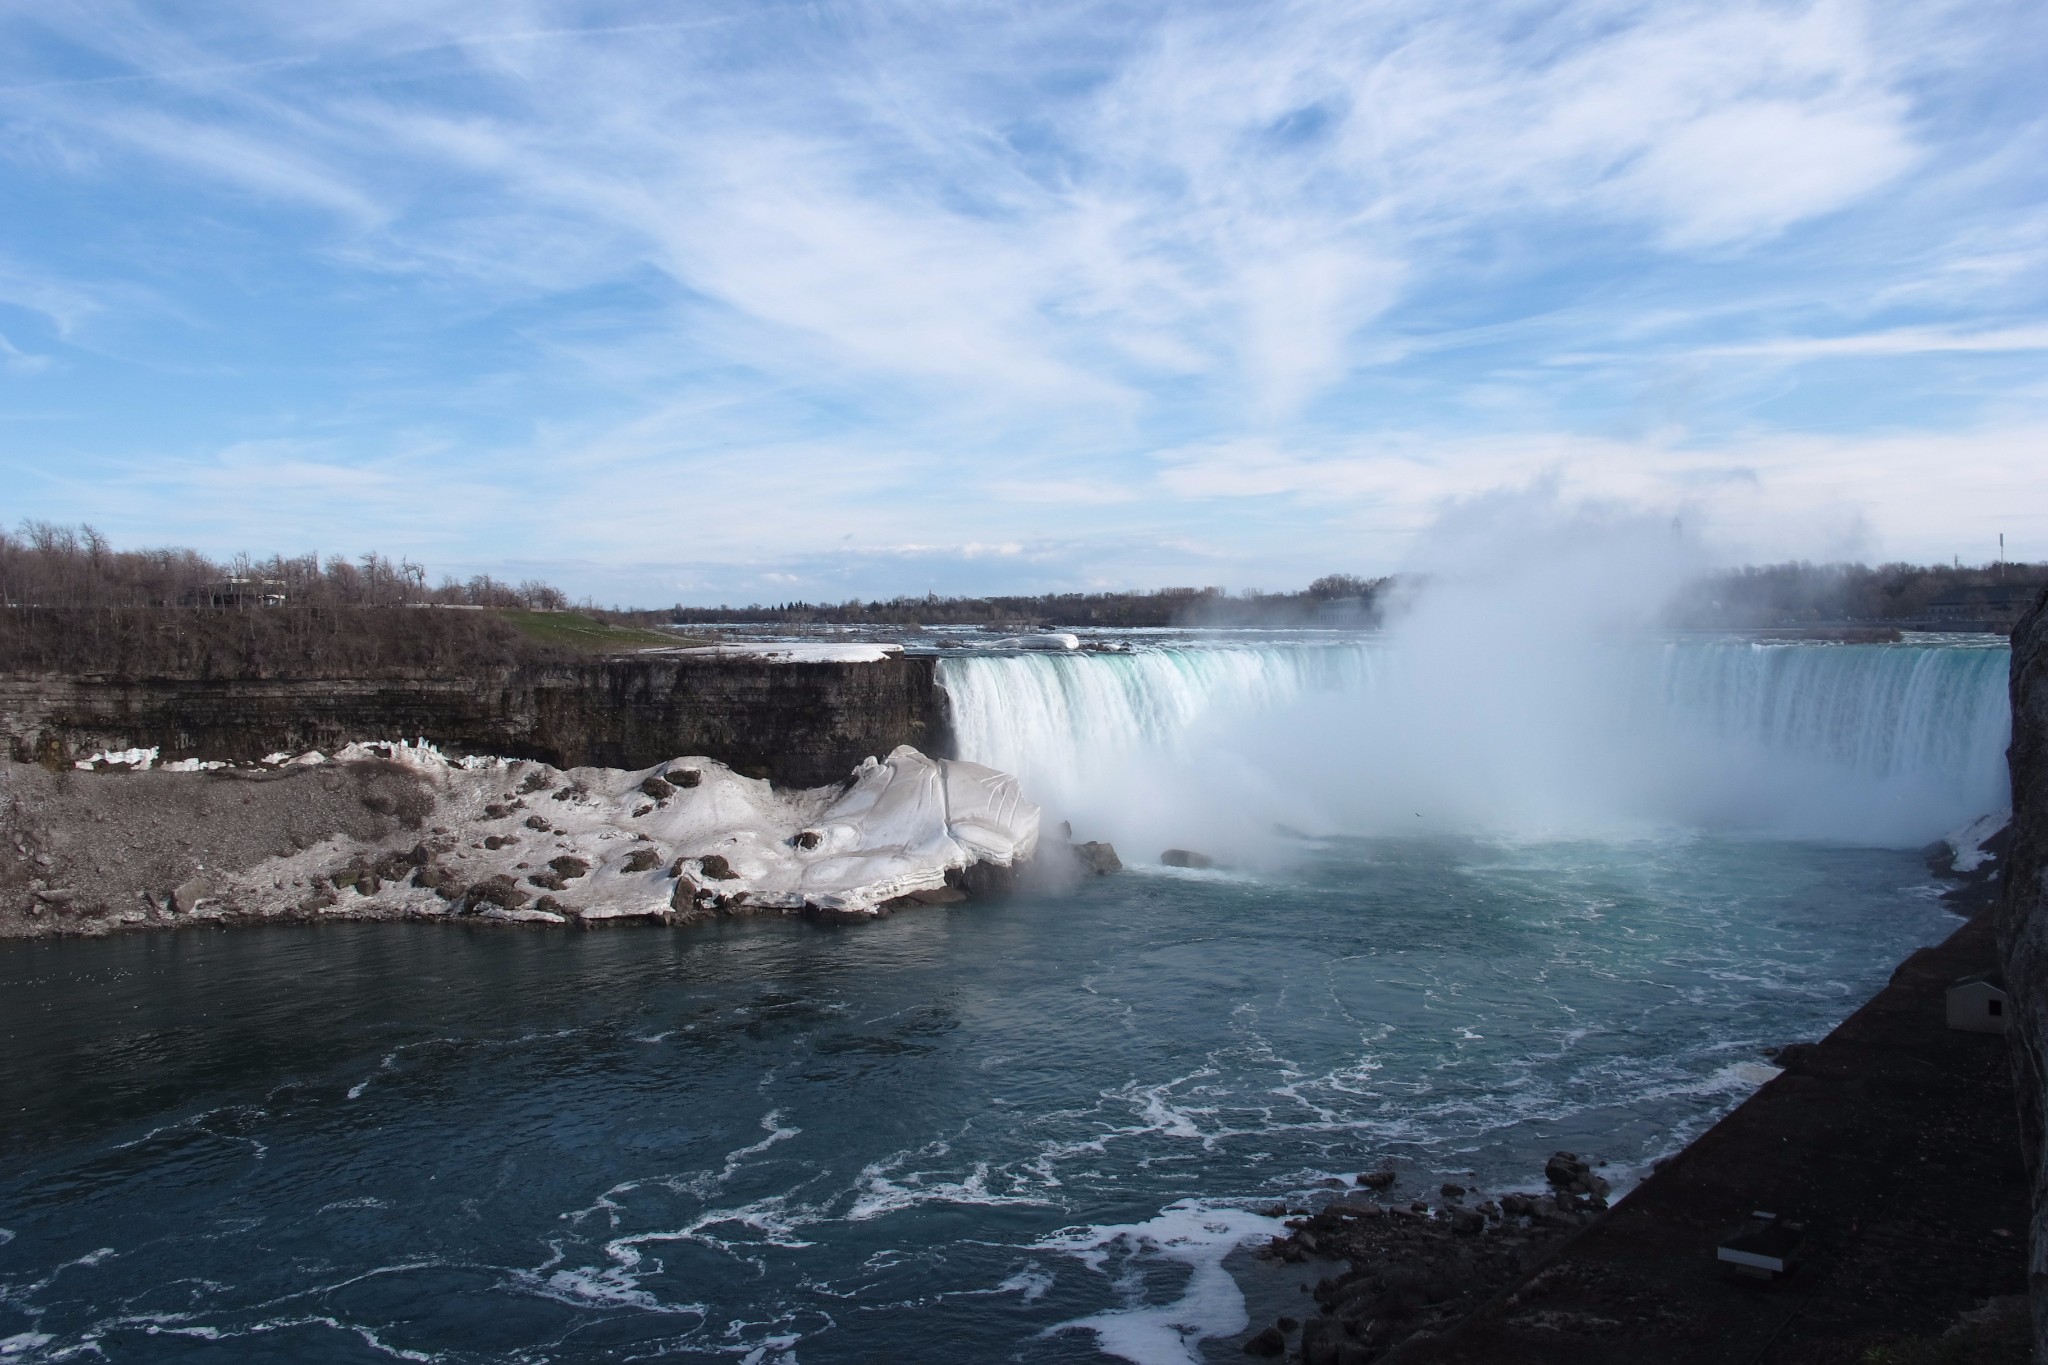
point(2023, 929)
point(798, 724)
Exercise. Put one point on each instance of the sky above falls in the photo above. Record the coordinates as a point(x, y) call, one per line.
point(731, 302)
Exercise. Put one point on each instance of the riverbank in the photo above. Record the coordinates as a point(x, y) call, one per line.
point(395, 832)
point(1894, 1141)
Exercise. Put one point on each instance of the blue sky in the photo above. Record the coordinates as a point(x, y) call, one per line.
point(746, 302)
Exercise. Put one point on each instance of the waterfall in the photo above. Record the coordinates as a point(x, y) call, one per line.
point(1885, 744)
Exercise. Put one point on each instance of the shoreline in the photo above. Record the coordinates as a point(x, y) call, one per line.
point(393, 832)
point(1895, 1142)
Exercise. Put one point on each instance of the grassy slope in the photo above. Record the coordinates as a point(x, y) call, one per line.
point(573, 630)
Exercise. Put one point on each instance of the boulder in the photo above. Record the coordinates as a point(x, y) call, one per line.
point(657, 788)
point(1377, 1180)
point(499, 890)
point(1182, 857)
point(683, 777)
point(641, 860)
point(1098, 859)
point(569, 865)
point(1271, 1342)
point(1571, 1175)
point(187, 896)
point(717, 868)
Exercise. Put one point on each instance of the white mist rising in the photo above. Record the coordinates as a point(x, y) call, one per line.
point(1520, 690)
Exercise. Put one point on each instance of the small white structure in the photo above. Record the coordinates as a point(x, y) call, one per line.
point(1978, 1005)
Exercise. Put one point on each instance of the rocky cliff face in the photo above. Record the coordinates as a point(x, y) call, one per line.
point(2023, 928)
point(797, 724)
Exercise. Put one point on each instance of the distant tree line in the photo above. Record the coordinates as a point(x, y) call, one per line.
point(70, 603)
point(1338, 598)
point(1799, 593)
point(43, 565)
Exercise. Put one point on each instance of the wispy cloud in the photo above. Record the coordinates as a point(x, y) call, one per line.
point(843, 269)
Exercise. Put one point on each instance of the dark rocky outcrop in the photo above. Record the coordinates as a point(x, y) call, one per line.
point(798, 724)
point(2023, 929)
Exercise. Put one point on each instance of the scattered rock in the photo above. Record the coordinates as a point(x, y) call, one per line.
point(498, 890)
point(498, 841)
point(808, 838)
point(1181, 857)
point(535, 780)
point(657, 788)
point(1452, 1191)
point(186, 897)
point(683, 777)
point(1271, 1342)
point(717, 868)
point(942, 895)
point(494, 811)
point(1379, 1179)
point(1571, 1175)
point(568, 865)
point(641, 860)
point(1098, 859)
point(535, 822)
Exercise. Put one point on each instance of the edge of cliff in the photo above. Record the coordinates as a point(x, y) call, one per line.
point(2023, 932)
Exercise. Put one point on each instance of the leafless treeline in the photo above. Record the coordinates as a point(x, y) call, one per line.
point(43, 565)
point(71, 603)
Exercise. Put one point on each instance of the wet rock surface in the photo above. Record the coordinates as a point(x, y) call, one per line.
point(1402, 1269)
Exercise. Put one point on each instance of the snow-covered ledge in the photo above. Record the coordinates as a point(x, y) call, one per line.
point(685, 839)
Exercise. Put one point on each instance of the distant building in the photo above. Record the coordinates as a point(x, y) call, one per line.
point(1341, 611)
point(1978, 1005)
point(1990, 606)
point(247, 592)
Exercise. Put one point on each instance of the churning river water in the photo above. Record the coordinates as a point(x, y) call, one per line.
point(1035, 1130)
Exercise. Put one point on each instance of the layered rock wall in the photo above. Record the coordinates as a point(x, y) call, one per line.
point(797, 724)
point(2023, 928)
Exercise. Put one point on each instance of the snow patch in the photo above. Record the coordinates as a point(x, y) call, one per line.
point(140, 760)
point(795, 652)
point(1967, 843)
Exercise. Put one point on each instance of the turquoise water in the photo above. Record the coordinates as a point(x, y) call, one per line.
point(1469, 925)
point(1015, 1131)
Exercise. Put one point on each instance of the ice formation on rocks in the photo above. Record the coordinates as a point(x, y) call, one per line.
point(684, 838)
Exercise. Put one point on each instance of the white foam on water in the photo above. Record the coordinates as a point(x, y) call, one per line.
point(1031, 1283)
point(1192, 1232)
point(884, 1188)
point(24, 1341)
point(771, 1122)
